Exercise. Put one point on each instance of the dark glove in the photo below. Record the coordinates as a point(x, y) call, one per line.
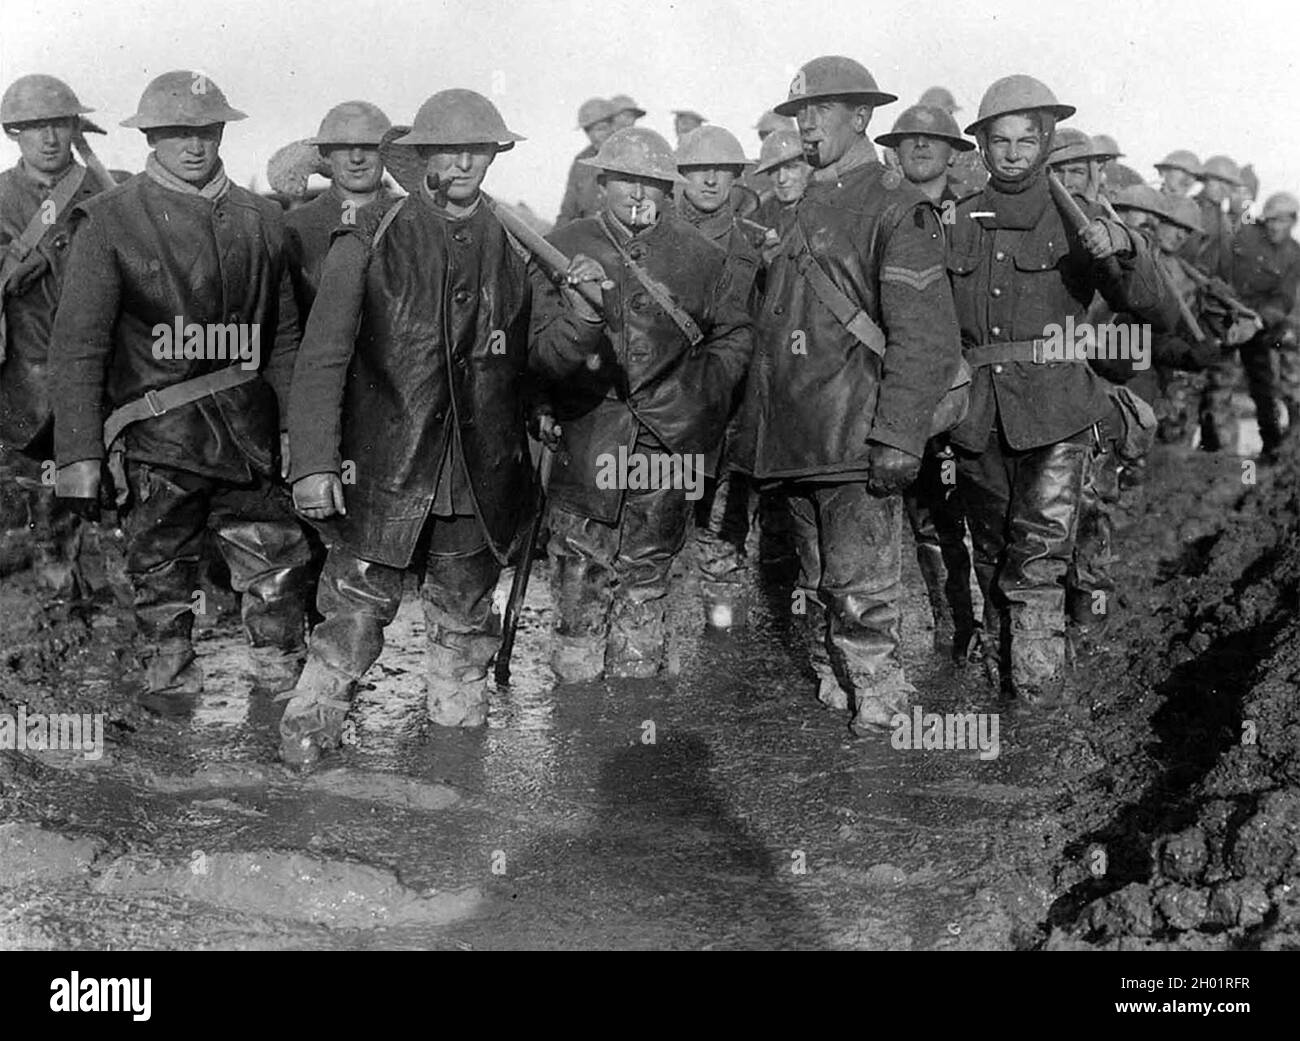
point(890, 469)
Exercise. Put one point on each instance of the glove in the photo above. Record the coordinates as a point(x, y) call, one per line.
point(318, 496)
point(1106, 238)
point(77, 487)
point(890, 469)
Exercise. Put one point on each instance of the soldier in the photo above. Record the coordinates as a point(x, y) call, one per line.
point(43, 117)
point(1219, 177)
point(1178, 172)
point(412, 459)
point(855, 344)
point(582, 194)
point(684, 121)
point(760, 183)
point(626, 111)
point(967, 173)
point(1079, 162)
point(636, 429)
point(1140, 206)
point(1264, 266)
point(782, 159)
point(927, 141)
point(770, 122)
point(1242, 197)
point(1023, 448)
point(192, 421)
point(348, 142)
point(711, 160)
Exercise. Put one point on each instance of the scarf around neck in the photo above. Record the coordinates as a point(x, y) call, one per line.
point(212, 191)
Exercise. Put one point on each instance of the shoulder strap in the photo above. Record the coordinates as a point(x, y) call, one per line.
point(854, 319)
point(660, 293)
point(38, 225)
point(156, 402)
point(386, 220)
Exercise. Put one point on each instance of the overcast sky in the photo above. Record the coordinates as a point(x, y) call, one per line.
point(1215, 78)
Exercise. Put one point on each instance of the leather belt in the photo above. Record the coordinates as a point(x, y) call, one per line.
point(1033, 351)
point(157, 402)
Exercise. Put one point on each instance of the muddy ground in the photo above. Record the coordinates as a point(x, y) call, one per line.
point(1158, 806)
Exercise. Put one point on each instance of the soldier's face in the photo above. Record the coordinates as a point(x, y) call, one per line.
point(1279, 229)
point(1215, 190)
point(1013, 145)
point(459, 169)
point(1137, 219)
point(190, 153)
point(1239, 198)
point(635, 201)
point(597, 132)
point(923, 158)
point(709, 187)
point(354, 168)
point(46, 144)
point(1176, 182)
point(791, 180)
point(829, 128)
point(1170, 237)
point(1075, 176)
point(626, 118)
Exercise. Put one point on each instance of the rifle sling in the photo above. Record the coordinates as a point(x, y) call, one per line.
point(658, 292)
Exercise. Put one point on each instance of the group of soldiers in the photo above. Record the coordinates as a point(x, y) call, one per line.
point(835, 339)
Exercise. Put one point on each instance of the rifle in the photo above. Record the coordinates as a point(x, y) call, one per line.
point(551, 259)
point(1217, 290)
point(519, 587)
point(92, 162)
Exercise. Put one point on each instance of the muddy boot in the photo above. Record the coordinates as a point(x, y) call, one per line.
point(276, 669)
point(831, 694)
point(1037, 665)
point(455, 689)
point(879, 702)
point(577, 659)
point(312, 723)
point(172, 679)
point(637, 641)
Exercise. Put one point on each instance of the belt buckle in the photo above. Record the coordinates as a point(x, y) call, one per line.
point(151, 399)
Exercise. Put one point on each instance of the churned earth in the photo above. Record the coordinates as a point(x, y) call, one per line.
point(1158, 806)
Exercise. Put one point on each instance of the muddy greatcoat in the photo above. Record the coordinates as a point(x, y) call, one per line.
point(31, 299)
point(651, 375)
point(308, 231)
point(144, 256)
point(440, 353)
point(815, 395)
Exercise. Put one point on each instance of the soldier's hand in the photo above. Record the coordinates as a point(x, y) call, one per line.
point(583, 268)
point(77, 487)
point(548, 431)
point(890, 469)
point(1105, 238)
point(318, 496)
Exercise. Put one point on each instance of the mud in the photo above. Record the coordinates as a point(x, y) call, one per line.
point(1157, 806)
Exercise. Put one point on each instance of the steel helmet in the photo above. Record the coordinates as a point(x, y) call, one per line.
point(638, 151)
point(779, 147)
point(595, 110)
point(832, 76)
point(1181, 159)
point(459, 117)
point(710, 146)
point(1140, 197)
point(1221, 168)
point(1074, 146)
point(929, 121)
point(36, 96)
point(1107, 144)
point(183, 98)
point(623, 103)
point(352, 123)
point(1184, 213)
point(1280, 204)
point(940, 97)
point(1018, 93)
point(689, 113)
